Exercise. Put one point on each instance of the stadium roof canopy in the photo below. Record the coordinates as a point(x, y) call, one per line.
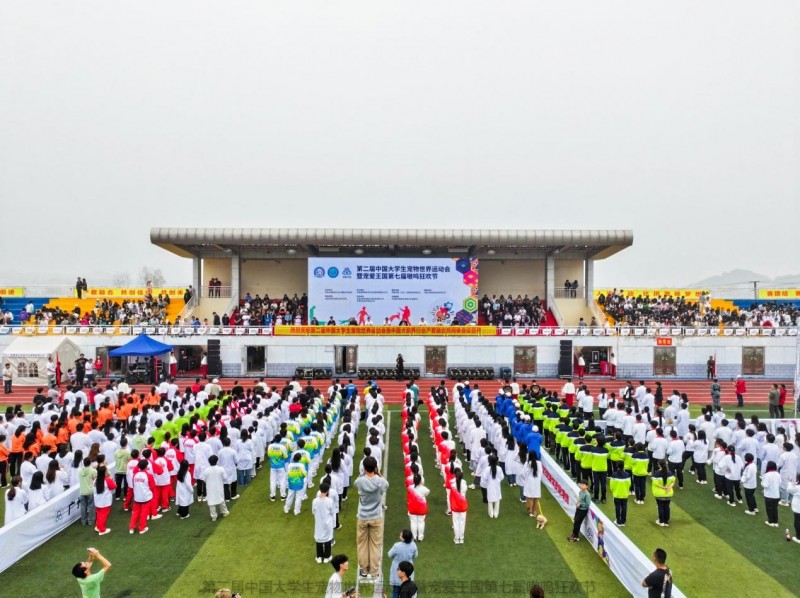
point(283, 243)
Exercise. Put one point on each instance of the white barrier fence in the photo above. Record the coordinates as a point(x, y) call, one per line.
point(27, 533)
point(626, 561)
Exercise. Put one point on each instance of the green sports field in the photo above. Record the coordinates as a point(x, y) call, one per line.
point(261, 551)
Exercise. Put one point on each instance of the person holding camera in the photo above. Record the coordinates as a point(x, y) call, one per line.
point(88, 581)
point(335, 588)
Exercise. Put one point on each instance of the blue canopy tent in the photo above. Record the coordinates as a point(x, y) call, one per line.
point(141, 346)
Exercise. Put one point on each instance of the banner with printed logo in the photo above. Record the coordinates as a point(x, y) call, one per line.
point(440, 291)
point(36, 527)
point(629, 564)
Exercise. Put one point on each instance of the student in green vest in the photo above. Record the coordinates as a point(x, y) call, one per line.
point(575, 453)
point(663, 489)
point(600, 469)
point(620, 482)
point(640, 461)
point(561, 439)
point(616, 449)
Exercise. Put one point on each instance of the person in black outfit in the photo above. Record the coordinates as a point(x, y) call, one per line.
point(659, 582)
point(408, 589)
point(400, 362)
point(80, 369)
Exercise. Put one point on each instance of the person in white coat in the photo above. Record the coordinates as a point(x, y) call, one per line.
point(794, 492)
point(215, 487)
point(202, 454)
point(494, 479)
point(324, 512)
point(227, 460)
point(184, 490)
point(787, 465)
point(532, 484)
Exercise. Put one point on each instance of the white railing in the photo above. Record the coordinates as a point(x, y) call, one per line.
point(215, 292)
point(187, 309)
point(553, 307)
point(562, 293)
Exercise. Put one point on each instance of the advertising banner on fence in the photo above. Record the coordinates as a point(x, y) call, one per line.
point(131, 293)
point(779, 293)
point(626, 561)
point(392, 290)
point(12, 292)
point(653, 293)
point(385, 331)
point(38, 526)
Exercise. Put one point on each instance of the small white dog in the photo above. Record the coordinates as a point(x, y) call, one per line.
point(541, 521)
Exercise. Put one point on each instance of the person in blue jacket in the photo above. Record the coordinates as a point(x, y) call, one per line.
point(534, 441)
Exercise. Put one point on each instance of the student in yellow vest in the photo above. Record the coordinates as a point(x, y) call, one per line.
point(663, 489)
point(620, 483)
point(640, 461)
point(600, 469)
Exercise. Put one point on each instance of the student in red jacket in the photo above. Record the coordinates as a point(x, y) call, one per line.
point(417, 507)
point(162, 477)
point(458, 506)
point(143, 491)
point(741, 388)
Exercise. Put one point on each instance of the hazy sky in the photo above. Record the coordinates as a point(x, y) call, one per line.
point(678, 120)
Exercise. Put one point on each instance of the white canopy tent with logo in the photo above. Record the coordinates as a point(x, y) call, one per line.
point(28, 357)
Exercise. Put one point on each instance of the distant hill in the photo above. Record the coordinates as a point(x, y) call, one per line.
point(746, 277)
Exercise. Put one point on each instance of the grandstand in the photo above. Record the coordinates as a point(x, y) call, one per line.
point(532, 327)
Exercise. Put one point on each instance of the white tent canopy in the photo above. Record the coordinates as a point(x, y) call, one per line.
point(28, 357)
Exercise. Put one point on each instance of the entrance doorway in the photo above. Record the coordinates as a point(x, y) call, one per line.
point(345, 359)
point(524, 361)
point(664, 361)
point(753, 361)
point(596, 359)
point(436, 361)
point(256, 362)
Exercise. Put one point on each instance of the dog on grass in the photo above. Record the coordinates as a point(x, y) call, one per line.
point(541, 521)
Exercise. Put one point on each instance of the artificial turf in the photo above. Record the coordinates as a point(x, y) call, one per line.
point(261, 551)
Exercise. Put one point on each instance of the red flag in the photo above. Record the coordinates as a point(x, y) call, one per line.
point(58, 371)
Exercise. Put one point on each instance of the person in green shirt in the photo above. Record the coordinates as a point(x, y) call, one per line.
point(584, 501)
point(90, 582)
point(86, 477)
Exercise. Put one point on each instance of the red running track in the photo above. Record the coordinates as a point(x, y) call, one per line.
point(697, 390)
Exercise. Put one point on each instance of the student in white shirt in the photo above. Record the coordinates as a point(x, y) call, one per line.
point(733, 467)
point(749, 482)
point(699, 448)
point(675, 450)
point(335, 587)
point(770, 483)
point(16, 501)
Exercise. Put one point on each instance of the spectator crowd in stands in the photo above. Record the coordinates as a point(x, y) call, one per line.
point(679, 311)
point(507, 311)
point(149, 310)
